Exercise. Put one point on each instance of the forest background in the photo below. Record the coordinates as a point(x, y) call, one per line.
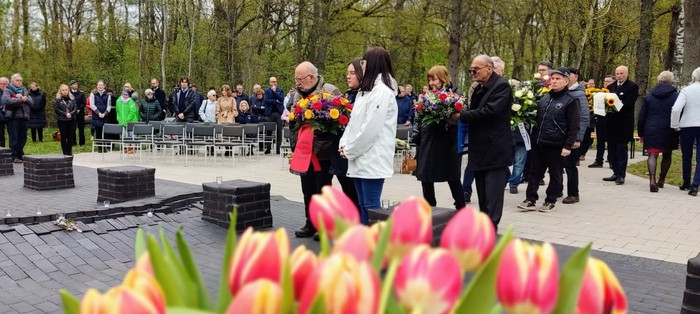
point(242, 41)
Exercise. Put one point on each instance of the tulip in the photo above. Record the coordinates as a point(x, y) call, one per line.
point(428, 281)
point(470, 236)
point(411, 225)
point(601, 292)
point(261, 296)
point(528, 278)
point(144, 264)
point(359, 241)
point(140, 293)
point(303, 263)
point(330, 205)
point(259, 255)
point(348, 286)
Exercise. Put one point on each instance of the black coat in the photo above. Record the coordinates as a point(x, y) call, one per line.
point(620, 125)
point(37, 114)
point(655, 118)
point(490, 136)
point(80, 101)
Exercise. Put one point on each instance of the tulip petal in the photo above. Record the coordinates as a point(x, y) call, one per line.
point(303, 263)
point(358, 241)
point(259, 297)
point(259, 255)
point(411, 226)
point(470, 236)
point(330, 205)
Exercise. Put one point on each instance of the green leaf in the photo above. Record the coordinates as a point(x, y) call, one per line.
point(71, 305)
point(140, 245)
point(380, 251)
point(185, 284)
point(325, 243)
point(387, 285)
point(224, 297)
point(497, 309)
point(480, 294)
point(287, 286)
point(571, 280)
point(163, 274)
point(392, 306)
point(319, 305)
point(193, 271)
point(183, 310)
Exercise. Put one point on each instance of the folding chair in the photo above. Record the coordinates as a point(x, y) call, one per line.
point(285, 144)
point(202, 137)
point(172, 138)
point(231, 139)
point(251, 136)
point(142, 135)
point(105, 143)
point(269, 134)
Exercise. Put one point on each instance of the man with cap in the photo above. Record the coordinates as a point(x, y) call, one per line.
point(80, 117)
point(558, 115)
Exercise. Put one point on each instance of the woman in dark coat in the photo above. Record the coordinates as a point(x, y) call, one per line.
point(437, 156)
point(37, 115)
point(66, 115)
point(654, 128)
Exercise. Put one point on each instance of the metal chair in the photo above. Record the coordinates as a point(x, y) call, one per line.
point(172, 138)
point(106, 143)
point(269, 133)
point(141, 135)
point(231, 139)
point(285, 144)
point(202, 137)
point(251, 136)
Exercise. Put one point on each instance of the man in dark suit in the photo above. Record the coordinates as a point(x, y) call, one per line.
point(620, 125)
point(490, 141)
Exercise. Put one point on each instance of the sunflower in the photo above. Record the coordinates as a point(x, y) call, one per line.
point(610, 102)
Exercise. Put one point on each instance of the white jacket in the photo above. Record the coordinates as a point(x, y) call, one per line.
point(207, 111)
point(687, 103)
point(369, 138)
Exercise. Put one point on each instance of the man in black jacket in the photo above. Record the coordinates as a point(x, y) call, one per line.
point(3, 84)
point(490, 141)
point(183, 102)
point(558, 115)
point(620, 125)
point(80, 117)
point(159, 94)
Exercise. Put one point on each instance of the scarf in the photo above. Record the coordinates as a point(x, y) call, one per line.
point(16, 90)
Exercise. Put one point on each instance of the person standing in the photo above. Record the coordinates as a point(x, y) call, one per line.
point(226, 106)
point(369, 139)
point(207, 110)
point(490, 139)
point(37, 114)
point(198, 99)
point(79, 118)
point(685, 116)
point(654, 128)
point(620, 125)
point(570, 162)
point(274, 107)
point(159, 94)
point(17, 110)
point(184, 102)
point(150, 109)
point(558, 114)
point(66, 115)
point(406, 111)
point(600, 127)
point(127, 111)
point(101, 106)
point(3, 84)
point(241, 95)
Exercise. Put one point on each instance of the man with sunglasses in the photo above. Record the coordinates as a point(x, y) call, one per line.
point(490, 141)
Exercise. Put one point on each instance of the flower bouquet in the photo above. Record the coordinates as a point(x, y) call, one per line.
point(524, 108)
point(540, 84)
point(436, 106)
point(324, 112)
point(590, 92)
point(604, 103)
point(389, 267)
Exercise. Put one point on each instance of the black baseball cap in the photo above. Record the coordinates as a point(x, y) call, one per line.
point(560, 70)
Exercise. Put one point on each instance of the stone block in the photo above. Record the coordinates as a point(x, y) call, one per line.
point(252, 200)
point(125, 183)
point(48, 172)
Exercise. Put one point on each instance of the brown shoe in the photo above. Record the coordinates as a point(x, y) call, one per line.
point(570, 199)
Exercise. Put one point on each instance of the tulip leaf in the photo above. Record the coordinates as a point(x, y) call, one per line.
point(183, 310)
point(287, 286)
point(392, 306)
point(323, 237)
point(480, 294)
point(193, 271)
point(225, 297)
point(163, 273)
point(140, 245)
point(185, 283)
point(571, 280)
point(319, 305)
point(71, 305)
point(387, 285)
point(379, 252)
point(497, 309)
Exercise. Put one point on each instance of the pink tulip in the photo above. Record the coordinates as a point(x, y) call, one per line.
point(330, 205)
point(470, 236)
point(258, 297)
point(428, 281)
point(348, 286)
point(258, 255)
point(601, 292)
point(144, 264)
point(359, 241)
point(303, 263)
point(528, 278)
point(139, 293)
point(411, 226)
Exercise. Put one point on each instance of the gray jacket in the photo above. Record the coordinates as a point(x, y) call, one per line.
point(15, 107)
point(579, 92)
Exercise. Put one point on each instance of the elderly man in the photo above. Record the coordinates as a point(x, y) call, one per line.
point(620, 125)
point(490, 141)
point(17, 111)
point(274, 107)
point(308, 82)
point(577, 91)
point(3, 84)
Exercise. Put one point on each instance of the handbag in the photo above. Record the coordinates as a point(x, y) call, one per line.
point(57, 136)
point(409, 164)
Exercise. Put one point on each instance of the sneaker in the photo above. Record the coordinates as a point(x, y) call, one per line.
point(513, 190)
point(595, 165)
point(570, 199)
point(527, 206)
point(546, 207)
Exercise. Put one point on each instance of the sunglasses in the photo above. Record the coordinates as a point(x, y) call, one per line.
point(473, 71)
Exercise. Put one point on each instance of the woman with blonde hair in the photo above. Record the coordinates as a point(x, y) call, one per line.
point(66, 112)
point(226, 106)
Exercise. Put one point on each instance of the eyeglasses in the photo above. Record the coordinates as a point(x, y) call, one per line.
point(473, 71)
point(273, 82)
point(299, 79)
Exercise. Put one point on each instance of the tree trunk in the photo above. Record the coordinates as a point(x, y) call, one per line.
point(691, 55)
point(668, 58)
point(646, 27)
point(455, 33)
point(519, 53)
point(165, 44)
point(678, 51)
point(16, 7)
point(300, 31)
point(25, 26)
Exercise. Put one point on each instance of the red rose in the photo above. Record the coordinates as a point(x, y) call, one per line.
point(349, 106)
point(419, 107)
point(443, 96)
point(459, 106)
point(336, 102)
point(343, 120)
point(317, 106)
point(297, 110)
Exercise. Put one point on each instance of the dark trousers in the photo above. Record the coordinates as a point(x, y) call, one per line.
point(572, 172)
point(455, 189)
point(490, 185)
point(543, 158)
point(80, 130)
point(18, 136)
point(2, 131)
point(587, 142)
point(690, 137)
point(277, 118)
point(617, 154)
point(312, 182)
point(600, 141)
point(67, 129)
point(348, 186)
point(37, 132)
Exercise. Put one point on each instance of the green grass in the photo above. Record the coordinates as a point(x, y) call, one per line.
point(675, 174)
point(49, 146)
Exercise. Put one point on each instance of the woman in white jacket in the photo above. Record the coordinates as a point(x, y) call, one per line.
point(207, 111)
point(368, 141)
point(685, 116)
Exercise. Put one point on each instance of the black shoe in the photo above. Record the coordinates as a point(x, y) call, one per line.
point(684, 187)
point(317, 237)
point(267, 152)
point(653, 188)
point(542, 182)
point(610, 178)
point(595, 165)
point(620, 181)
point(305, 232)
point(693, 191)
point(467, 198)
point(570, 199)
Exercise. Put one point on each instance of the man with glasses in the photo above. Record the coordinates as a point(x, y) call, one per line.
point(3, 84)
point(490, 141)
point(274, 107)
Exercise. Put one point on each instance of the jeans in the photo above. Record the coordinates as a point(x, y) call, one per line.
point(572, 172)
point(18, 136)
point(541, 158)
point(519, 158)
point(617, 154)
point(67, 129)
point(455, 189)
point(369, 193)
point(467, 182)
point(690, 137)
